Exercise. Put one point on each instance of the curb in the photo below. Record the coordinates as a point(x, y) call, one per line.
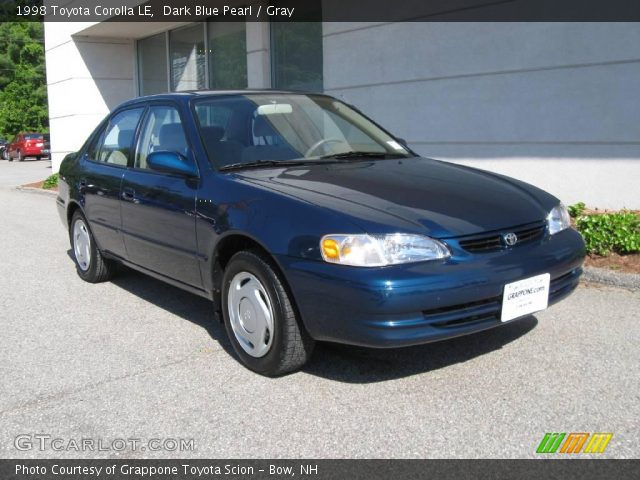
point(37, 190)
point(609, 277)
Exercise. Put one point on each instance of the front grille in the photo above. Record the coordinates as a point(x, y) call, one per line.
point(494, 241)
point(488, 310)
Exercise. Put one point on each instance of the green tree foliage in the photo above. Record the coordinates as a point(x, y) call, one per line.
point(23, 91)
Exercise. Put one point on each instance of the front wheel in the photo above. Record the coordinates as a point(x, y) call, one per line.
point(260, 319)
point(91, 266)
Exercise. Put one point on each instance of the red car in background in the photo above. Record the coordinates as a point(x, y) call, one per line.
point(28, 145)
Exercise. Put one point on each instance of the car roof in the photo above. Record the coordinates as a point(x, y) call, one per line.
point(191, 94)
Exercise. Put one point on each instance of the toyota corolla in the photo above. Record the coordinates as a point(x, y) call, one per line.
point(303, 221)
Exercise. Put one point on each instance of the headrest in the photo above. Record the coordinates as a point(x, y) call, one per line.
point(125, 137)
point(263, 127)
point(212, 134)
point(171, 138)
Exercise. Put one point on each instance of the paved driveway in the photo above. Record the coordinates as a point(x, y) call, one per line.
point(135, 358)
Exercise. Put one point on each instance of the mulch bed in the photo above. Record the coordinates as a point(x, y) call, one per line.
point(615, 262)
point(39, 185)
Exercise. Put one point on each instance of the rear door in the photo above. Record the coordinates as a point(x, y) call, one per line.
point(104, 164)
point(158, 209)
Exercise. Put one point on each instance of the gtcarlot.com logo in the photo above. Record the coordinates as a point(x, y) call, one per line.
point(574, 442)
point(44, 442)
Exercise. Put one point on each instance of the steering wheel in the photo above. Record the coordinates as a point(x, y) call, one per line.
point(320, 143)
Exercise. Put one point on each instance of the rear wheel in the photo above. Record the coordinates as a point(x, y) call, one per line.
point(260, 319)
point(91, 266)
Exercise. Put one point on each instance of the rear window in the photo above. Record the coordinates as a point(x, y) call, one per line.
point(33, 136)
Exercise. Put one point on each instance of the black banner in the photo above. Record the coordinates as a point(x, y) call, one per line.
point(118, 469)
point(321, 10)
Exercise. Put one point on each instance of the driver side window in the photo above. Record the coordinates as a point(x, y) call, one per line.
point(162, 132)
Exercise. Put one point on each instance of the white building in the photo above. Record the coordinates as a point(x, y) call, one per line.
point(553, 104)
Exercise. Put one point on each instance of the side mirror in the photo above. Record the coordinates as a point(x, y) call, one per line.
point(171, 162)
point(403, 142)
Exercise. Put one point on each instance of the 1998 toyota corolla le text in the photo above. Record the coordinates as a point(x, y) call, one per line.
point(303, 220)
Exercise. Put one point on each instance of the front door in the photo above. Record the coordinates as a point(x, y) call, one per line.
point(158, 209)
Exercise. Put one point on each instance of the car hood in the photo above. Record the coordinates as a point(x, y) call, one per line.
point(414, 194)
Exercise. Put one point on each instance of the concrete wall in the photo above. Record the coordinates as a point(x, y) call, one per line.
point(86, 77)
point(554, 104)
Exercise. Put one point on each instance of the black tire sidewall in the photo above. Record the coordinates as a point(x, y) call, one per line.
point(251, 263)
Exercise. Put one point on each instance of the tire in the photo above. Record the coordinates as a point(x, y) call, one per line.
point(9, 157)
point(91, 266)
point(286, 346)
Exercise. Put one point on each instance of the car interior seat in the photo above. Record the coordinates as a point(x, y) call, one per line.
point(171, 139)
point(119, 155)
point(223, 152)
point(274, 146)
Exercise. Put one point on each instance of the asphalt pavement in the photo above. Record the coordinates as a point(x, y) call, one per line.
point(137, 359)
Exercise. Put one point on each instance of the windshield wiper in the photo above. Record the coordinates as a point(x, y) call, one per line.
point(268, 163)
point(357, 154)
point(306, 161)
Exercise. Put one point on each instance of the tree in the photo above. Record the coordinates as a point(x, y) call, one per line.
point(23, 93)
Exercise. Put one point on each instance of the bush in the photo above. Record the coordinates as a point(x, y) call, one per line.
point(576, 210)
point(51, 182)
point(605, 233)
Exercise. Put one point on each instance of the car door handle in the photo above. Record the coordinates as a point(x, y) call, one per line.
point(129, 195)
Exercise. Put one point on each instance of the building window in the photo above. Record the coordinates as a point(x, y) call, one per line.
point(152, 65)
point(187, 56)
point(227, 48)
point(296, 53)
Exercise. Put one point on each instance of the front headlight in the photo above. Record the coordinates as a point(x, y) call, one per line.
point(558, 219)
point(380, 250)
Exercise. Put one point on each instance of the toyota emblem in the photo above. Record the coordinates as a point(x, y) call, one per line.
point(510, 239)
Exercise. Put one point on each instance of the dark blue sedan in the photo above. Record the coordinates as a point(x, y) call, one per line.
point(303, 220)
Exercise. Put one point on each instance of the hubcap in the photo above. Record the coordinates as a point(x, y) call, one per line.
point(250, 314)
point(82, 245)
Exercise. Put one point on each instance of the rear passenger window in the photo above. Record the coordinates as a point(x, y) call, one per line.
point(117, 140)
point(162, 132)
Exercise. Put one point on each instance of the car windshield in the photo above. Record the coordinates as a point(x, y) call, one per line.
point(264, 129)
point(33, 136)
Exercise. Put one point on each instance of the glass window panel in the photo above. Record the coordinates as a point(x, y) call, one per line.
point(227, 55)
point(117, 140)
point(297, 53)
point(152, 65)
point(186, 50)
point(163, 131)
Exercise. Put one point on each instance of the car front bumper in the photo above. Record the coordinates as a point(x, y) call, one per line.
point(423, 302)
